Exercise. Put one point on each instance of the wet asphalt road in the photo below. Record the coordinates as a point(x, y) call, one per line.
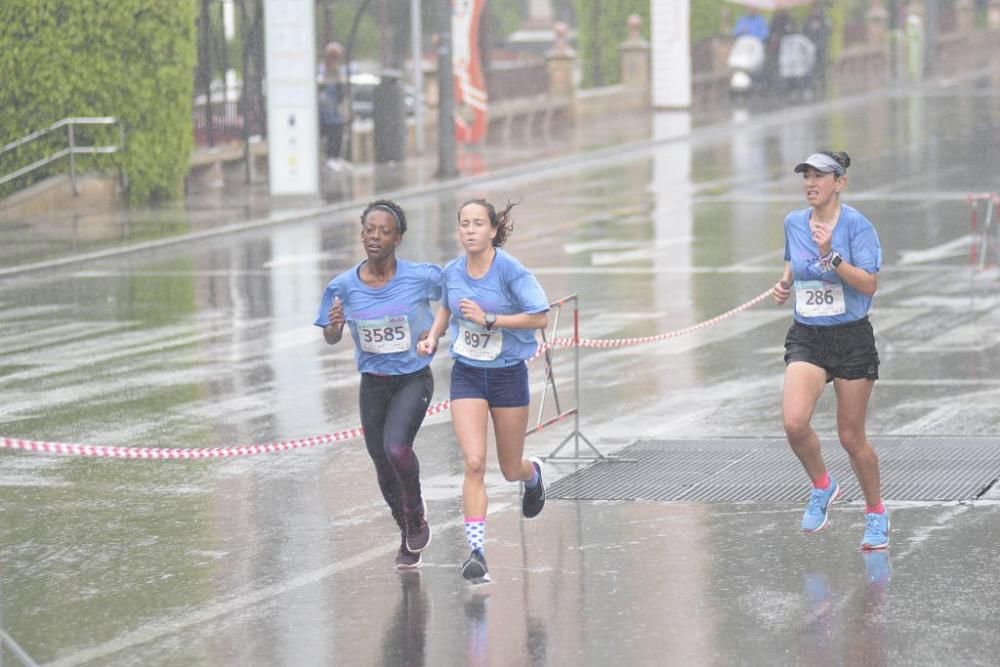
point(287, 558)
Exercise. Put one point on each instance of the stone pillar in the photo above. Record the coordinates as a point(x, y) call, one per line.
point(878, 23)
point(878, 37)
point(540, 13)
point(993, 15)
point(430, 85)
point(561, 61)
point(965, 11)
point(915, 36)
point(634, 56)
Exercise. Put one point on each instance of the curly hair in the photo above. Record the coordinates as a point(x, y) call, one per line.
point(390, 207)
point(501, 220)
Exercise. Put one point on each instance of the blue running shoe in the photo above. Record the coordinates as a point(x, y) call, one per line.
point(876, 532)
point(819, 502)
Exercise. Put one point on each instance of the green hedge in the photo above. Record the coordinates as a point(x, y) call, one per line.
point(133, 59)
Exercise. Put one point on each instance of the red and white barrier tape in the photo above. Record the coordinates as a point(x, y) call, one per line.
point(625, 342)
point(112, 452)
point(159, 453)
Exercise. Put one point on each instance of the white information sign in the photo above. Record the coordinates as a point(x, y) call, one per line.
point(670, 31)
point(292, 124)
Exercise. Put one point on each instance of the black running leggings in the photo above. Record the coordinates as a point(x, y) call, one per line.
point(392, 409)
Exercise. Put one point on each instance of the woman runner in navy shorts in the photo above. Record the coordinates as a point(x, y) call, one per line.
point(492, 307)
point(833, 257)
point(386, 303)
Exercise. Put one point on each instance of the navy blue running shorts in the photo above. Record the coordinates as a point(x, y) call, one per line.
point(845, 351)
point(505, 387)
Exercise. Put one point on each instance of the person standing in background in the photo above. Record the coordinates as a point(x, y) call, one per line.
point(818, 28)
point(331, 118)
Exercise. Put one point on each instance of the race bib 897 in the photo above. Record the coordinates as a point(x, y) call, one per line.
point(475, 342)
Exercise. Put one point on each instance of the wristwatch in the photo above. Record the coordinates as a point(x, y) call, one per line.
point(836, 259)
point(490, 321)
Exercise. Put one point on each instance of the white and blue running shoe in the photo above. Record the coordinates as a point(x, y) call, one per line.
point(816, 515)
point(876, 531)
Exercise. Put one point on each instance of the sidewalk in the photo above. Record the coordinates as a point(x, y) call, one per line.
point(210, 210)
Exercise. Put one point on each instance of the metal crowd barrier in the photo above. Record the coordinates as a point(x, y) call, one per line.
point(548, 352)
point(991, 226)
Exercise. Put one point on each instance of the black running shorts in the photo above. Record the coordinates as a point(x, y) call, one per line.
point(845, 351)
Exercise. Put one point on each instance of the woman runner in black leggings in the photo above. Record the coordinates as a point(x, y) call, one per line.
point(386, 303)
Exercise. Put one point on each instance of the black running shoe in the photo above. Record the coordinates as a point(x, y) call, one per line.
point(474, 568)
point(406, 559)
point(418, 531)
point(534, 499)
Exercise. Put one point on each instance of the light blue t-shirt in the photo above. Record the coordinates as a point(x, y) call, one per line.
point(507, 289)
point(854, 237)
point(386, 322)
point(755, 25)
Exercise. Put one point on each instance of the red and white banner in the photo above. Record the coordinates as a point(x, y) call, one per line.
point(469, 78)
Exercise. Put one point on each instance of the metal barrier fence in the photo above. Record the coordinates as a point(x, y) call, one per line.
point(507, 79)
point(71, 150)
point(547, 350)
point(979, 249)
point(219, 122)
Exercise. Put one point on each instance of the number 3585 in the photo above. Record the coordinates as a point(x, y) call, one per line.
point(387, 334)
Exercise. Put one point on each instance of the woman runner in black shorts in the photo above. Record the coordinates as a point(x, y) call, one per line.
point(833, 257)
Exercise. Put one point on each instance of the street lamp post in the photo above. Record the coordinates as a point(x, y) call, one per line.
point(446, 98)
point(416, 55)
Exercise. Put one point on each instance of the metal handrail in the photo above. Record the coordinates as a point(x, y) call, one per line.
point(72, 150)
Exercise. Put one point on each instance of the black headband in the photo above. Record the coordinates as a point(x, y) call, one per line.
point(383, 207)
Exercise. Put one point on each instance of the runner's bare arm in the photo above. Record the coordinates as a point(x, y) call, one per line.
point(428, 342)
point(858, 278)
point(783, 288)
point(472, 312)
point(334, 330)
point(523, 321)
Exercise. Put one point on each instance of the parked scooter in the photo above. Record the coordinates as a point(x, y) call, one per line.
point(793, 74)
point(746, 64)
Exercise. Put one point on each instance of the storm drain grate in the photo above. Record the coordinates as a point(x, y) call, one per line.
point(758, 469)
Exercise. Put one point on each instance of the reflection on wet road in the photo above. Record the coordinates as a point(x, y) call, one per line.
point(286, 558)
